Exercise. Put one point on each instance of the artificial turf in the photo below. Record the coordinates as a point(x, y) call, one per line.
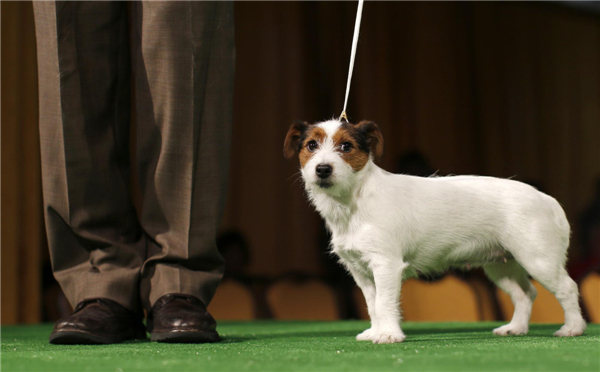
point(314, 346)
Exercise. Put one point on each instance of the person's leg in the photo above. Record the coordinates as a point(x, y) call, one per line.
point(96, 245)
point(183, 63)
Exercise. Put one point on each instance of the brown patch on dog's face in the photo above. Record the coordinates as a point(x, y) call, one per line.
point(346, 140)
point(312, 134)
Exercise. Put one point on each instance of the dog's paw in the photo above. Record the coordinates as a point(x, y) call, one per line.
point(366, 335)
point(388, 337)
point(511, 329)
point(571, 330)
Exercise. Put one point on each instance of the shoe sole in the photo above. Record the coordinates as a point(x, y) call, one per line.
point(72, 337)
point(185, 337)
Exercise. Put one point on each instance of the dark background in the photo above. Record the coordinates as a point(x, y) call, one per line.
point(491, 88)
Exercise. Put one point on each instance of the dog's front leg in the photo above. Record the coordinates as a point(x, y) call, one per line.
point(388, 279)
point(367, 286)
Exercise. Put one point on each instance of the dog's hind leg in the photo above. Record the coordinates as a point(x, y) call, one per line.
point(512, 279)
point(544, 259)
point(567, 293)
point(556, 279)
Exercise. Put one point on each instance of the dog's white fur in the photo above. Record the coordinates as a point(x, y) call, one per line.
point(388, 227)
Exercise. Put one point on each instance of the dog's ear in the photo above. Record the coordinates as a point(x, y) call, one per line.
point(373, 136)
point(292, 140)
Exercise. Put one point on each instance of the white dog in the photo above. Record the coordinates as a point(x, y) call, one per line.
point(389, 227)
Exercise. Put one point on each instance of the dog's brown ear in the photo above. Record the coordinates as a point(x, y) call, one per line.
point(292, 140)
point(373, 136)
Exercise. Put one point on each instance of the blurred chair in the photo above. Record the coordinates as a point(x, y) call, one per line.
point(308, 299)
point(485, 299)
point(546, 308)
point(449, 299)
point(233, 301)
point(590, 292)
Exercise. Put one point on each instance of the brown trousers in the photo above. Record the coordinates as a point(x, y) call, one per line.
point(179, 58)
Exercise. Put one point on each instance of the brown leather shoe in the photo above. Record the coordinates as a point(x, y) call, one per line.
point(181, 318)
point(98, 321)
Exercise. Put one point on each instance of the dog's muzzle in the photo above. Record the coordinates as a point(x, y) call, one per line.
point(323, 171)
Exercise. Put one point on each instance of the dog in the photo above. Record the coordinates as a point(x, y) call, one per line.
point(390, 227)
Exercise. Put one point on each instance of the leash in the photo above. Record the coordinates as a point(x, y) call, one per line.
point(343, 116)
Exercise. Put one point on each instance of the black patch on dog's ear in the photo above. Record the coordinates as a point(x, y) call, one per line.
point(294, 138)
point(371, 135)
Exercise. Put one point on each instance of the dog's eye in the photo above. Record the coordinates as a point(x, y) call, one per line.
point(346, 147)
point(312, 146)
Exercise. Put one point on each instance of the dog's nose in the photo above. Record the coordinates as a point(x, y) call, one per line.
point(324, 170)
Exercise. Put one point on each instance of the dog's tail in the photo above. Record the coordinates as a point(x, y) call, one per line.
point(560, 221)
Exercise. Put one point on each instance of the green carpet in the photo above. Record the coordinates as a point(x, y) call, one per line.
point(314, 346)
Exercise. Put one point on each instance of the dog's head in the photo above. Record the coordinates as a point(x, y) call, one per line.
point(332, 153)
